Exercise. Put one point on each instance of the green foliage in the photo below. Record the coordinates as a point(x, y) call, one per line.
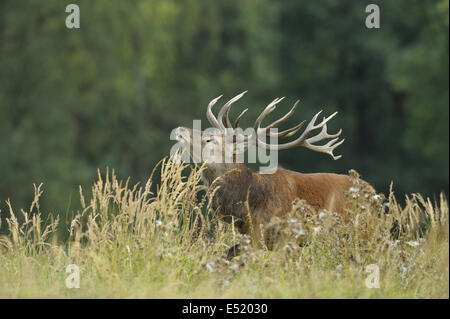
point(421, 70)
point(109, 93)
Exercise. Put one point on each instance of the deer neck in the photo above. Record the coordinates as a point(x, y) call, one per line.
point(213, 171)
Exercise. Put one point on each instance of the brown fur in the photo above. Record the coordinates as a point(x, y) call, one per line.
point(272, 194)
point(251, 199)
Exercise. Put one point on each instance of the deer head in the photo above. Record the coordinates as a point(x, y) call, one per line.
point(220, 144)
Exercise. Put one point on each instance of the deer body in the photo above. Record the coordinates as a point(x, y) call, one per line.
point(249, 198)
point(272, 195)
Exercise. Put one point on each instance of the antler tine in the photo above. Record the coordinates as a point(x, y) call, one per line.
point(326, 119)
point(288, 132)
point(285, 117)
point(209, 114)
point(323, 133)
point(328, 148)
point(269, 109)
point(236, 123)
point(226, 109)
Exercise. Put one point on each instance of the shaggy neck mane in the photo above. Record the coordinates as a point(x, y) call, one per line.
point(213, 171)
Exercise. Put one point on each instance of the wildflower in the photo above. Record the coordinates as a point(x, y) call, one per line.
point(210, 267)
point(413, 243)
point(394, 243)
point(298, 233)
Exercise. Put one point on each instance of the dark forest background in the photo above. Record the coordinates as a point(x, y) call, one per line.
point(109, 94)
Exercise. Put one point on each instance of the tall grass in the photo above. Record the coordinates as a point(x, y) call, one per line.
point(132, 243)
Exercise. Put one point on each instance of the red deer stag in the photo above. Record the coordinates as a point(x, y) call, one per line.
point(268, 195)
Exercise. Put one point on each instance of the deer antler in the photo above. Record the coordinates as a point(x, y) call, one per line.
point(301, 141)
point(218, 122)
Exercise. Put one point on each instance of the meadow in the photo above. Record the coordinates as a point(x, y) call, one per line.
point(131, 242)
